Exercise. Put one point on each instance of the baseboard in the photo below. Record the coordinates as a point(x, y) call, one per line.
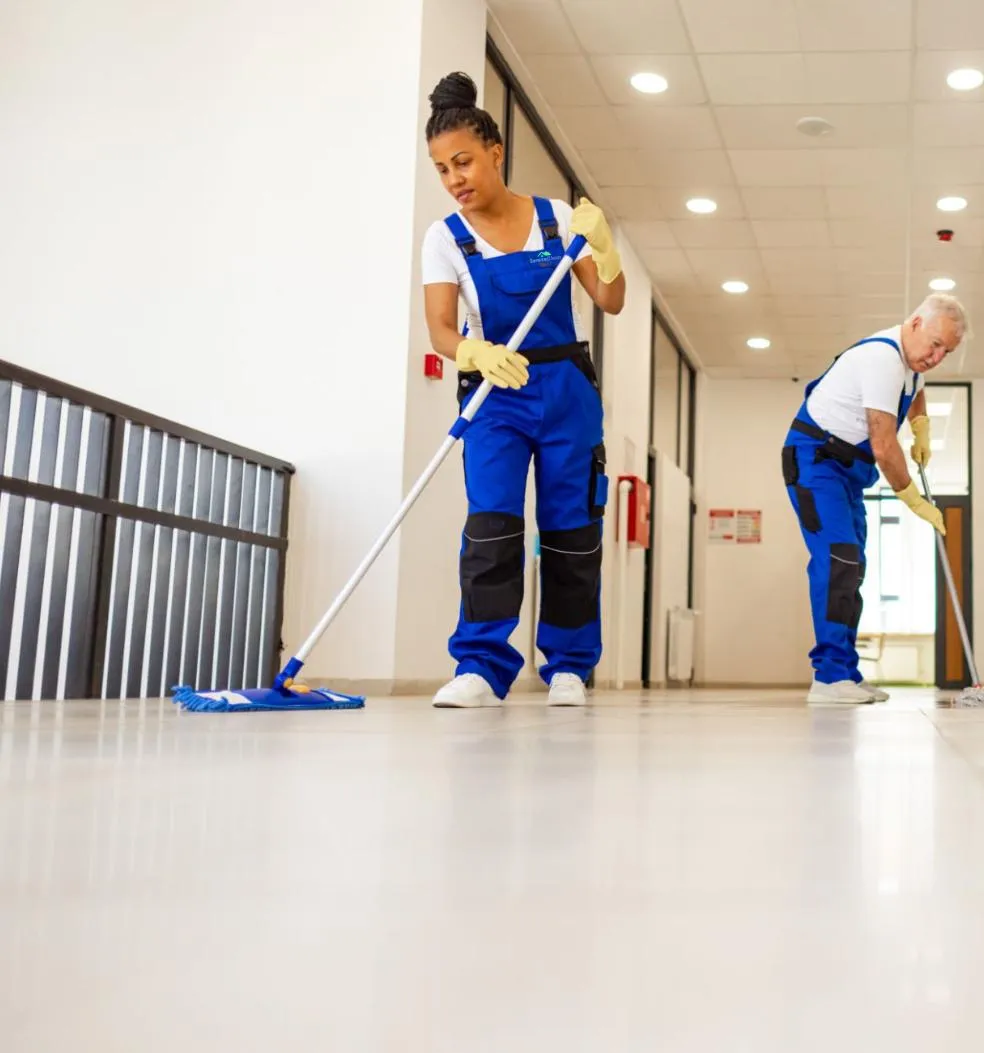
point(407, 688)
point(735, 685)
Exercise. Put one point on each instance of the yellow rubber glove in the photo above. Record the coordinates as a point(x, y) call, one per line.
point(589, 221)
point(921, 450)
point(915, 501)
point(497, 364)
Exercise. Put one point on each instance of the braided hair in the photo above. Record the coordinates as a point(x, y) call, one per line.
point(453, 107)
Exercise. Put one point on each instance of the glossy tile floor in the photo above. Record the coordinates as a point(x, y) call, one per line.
point(712, 872)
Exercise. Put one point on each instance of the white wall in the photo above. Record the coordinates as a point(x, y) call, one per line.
point(626, 395)
point(754, 626)
point(428, 596)
point(208, 211)
point(671, 519)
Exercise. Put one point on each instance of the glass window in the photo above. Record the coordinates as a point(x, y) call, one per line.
point(494, 100)
point(531, 168)
point(666, 380)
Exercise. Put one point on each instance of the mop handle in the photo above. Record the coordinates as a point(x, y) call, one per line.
point(951, 586)
point(460, 426)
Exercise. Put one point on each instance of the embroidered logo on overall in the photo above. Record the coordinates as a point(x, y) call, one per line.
point(543, 258)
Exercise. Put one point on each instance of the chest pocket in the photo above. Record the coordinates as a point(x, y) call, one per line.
point(525, 279)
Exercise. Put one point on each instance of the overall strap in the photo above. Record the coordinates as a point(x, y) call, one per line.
point(548, 224)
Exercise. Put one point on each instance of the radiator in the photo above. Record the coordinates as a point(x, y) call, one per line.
point(680, 646)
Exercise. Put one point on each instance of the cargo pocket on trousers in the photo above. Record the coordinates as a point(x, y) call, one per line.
point(790, 468)
point(598, 486)
point(807, 506)
point(844, 591)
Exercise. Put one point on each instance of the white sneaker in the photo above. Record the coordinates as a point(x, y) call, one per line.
point(843, 692)
point(876, 692)
point(468, 691)
point(567, 689)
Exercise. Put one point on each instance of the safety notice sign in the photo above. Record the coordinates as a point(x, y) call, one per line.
point(721, 524)
point(748, 527)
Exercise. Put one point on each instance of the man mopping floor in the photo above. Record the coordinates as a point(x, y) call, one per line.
point(845, 431)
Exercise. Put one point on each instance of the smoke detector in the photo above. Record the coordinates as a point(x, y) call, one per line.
point(814, 126)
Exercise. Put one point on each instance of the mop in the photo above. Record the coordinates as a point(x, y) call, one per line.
point(970, 696)
point(286, 693)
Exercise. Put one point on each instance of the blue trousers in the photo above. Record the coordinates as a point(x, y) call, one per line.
point(829, 501)
point(555, 421)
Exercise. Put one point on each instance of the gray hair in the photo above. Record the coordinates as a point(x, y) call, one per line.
point(948, 306)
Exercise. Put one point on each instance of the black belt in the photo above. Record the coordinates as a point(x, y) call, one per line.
point(838, 449)
point(538, 356)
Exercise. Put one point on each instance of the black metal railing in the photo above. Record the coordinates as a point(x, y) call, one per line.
point(135, 553)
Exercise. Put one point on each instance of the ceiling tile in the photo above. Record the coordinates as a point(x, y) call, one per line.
point(887, 259)
point(630, 202)
point(820, 260)
point(753, 25)
point(949, 24)
point(813, 344)
point(565, 80)
point(615, 71)
point(755, 79)
point(616, 167)
point(786, 233)
point(938, 167)
point(867, 202)
point(931, 72)
point(860, 167)
point(637, 25)
point(776, 168)
point(785, 202)
point(722, 264)
point(650, 234)
point(820, 325)
point(774, 127)
point(948, 124)
point(593, 127)
point(870, 282)
point(536, 26)
point(850, 25)
point(672, 127)
point(858, 77)
point(673, 202)
point(693, 169)
point(861, 233)
point(721, 234)
point(798, 283)
point(671, 263)
point(811, 306)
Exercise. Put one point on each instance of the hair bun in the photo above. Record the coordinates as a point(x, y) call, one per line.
point(456, 91)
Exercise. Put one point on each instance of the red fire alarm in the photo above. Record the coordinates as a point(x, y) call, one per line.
point(433, 366)
point(636, 524)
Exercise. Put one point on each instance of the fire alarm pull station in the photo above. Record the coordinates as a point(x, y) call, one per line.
point(433, 366)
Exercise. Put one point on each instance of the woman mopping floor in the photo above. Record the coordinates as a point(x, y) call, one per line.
point(496, 254)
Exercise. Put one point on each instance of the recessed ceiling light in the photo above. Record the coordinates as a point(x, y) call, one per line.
point(942, 284)
point(735, 287)
point(759, 343)
point(649, 83)
point(951, 204)
point(965, 79)
point(703, 206)
point(939, 409)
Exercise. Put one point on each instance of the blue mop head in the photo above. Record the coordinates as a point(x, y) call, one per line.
point(269, 699)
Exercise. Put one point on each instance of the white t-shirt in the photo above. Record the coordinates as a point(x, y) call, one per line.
point(443, 261)
point(871, 376)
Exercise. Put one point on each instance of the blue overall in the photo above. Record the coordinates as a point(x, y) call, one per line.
point(826, 478)
point(556, 420)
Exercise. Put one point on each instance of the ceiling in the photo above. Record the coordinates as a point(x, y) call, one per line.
point(821, 229)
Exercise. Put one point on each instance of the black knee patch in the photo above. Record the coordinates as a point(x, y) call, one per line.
point(844, 591)
point(492, 567)
point(570, 572)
